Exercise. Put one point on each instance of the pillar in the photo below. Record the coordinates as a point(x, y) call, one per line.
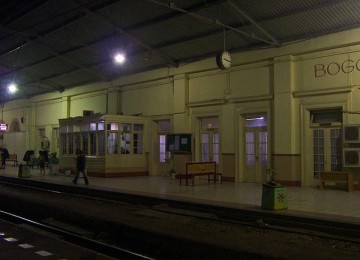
point(286, 152)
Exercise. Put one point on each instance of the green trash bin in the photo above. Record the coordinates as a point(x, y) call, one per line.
point(273, 197)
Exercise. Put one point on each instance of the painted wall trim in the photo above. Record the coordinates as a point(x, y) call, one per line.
point(251, 99)
point(207, 103)
point(308, 93)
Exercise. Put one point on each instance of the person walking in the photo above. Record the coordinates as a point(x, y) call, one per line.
point(42, 162)
point(80, 167)
point(4, 155)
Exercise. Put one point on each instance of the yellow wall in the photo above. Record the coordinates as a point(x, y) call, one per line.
point(94, 102)
point(148, 100)
point(282, 82)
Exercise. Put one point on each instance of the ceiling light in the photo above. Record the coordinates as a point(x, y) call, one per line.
point(119, 58)
point(12, 88)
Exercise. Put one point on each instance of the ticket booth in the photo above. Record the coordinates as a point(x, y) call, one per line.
point(113, 144)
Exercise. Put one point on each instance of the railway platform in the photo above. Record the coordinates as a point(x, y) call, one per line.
point(310, 202)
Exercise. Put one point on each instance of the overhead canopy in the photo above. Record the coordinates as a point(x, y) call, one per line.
point(54, 45)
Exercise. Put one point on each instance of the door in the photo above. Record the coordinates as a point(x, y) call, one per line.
point(256, 153)
point(162, 160)
point(210, 146)
point(210, 140)
point(326, 149)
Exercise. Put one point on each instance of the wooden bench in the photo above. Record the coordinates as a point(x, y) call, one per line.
point(200, 169)
point(12, 158)
point(346, 177)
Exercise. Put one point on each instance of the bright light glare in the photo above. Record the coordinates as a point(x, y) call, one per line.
point(119, 58)
point(12, 88)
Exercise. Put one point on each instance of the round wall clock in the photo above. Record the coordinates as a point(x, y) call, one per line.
point(223, 60)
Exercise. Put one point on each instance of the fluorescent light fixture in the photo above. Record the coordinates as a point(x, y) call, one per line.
point(12, 88)
point(119, 58)
point(255, 118)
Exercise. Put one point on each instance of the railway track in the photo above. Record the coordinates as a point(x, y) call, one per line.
point(73, 238)
point(324, 230)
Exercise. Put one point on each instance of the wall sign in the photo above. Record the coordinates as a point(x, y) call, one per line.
point(3, 127)
point(334, 68)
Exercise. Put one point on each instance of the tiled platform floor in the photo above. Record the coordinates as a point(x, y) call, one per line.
point(332, 204)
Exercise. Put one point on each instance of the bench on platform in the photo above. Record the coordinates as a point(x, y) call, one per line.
point(344, 177)
point(12, 158)
point(200, 169)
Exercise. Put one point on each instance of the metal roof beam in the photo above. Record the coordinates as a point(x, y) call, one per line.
point(163, 56)
point(239, 11)
point(35, 79)
point(59, 56)
point(308, 9)
point(268, 19)
point(210, 21)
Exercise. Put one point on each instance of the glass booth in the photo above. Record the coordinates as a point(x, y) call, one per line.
point(113, 144)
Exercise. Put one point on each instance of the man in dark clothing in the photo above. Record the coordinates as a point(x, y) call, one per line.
point(4, 155)
point(80, 167)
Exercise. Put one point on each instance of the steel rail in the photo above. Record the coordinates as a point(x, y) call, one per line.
point(73, 238)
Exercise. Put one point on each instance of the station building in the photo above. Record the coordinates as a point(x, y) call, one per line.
point(278, 107)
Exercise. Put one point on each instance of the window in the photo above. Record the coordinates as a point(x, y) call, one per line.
point(63, 144)
point(164, 128)
point(125, 143)
point(138, 138)
point(205, 156)
point(138, 127)
point(92, 143)
point(101, 143)
point(56, 137)
point(162, 147)
point(100, 126)
point(63, 129)
point(326, 116)
point(85, 143)
point(138, 143)
point(85, 127)
point(131, 138)
point(216, 147)
point(76, 128)
point(255, 121)
point(92, 126)
point(92, 138)
point(77, 143)
point(112, 143)
point(210, 140)
point(250, 148)
point(125, 127)
point(112, 126)
point(70, 138)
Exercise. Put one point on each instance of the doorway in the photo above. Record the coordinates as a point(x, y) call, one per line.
point(162, 159)
point(326, 150)
point(256, 148)
point(326, 140)
point(210, 140)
